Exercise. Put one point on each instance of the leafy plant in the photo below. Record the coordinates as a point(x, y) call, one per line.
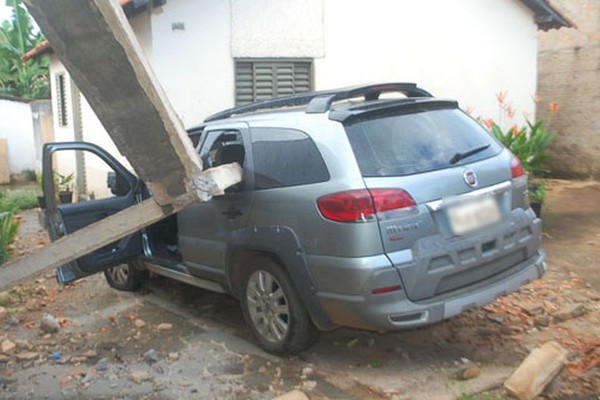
point(8, 231)
point(537, 191)
point(15, 200)
point(65, 182)
point(529, 144)
point(17, 36)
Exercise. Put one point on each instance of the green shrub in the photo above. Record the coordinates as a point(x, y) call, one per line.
point(8, 231)
point(529, 144)
point(16, 200)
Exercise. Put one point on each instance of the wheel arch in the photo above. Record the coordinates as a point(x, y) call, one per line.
point(281, 244)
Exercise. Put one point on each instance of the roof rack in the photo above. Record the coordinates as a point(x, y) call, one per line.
point(320, 102)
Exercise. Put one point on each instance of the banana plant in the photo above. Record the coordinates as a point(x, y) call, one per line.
point(18, 36)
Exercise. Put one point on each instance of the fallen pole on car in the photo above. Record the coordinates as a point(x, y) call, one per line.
point(111, 228)
point(99, 49)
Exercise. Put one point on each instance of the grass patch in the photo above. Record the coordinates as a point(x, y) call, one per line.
point(20, 198)
point(12, 201)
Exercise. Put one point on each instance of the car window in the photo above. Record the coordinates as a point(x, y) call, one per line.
point(417, 142)
point(285, 157)
point(222, 147)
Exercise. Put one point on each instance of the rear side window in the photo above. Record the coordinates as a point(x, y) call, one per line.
point(285, 157)
point(412, 143)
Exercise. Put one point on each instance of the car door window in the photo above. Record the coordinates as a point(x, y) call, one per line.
point(223, 147)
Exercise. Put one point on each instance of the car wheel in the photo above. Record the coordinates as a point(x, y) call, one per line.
point(273, 310)
point(127, 277)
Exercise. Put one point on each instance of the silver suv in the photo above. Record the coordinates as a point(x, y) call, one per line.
point(355, 209)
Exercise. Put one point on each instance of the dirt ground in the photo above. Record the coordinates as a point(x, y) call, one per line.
point(172, 341)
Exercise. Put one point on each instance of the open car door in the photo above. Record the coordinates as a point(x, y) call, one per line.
point(123, 189)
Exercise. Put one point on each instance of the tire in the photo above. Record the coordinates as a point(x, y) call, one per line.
point(273, 310)
point(127, 277)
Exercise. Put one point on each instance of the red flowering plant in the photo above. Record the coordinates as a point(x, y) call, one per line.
point(528, 142)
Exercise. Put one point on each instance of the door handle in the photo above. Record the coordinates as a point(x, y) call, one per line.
point(232, 213)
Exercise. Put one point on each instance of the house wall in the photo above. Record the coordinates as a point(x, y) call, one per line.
point(16, 127)
point(65, 164)
point(569, 74)
point(461, 49)
point(194, 64)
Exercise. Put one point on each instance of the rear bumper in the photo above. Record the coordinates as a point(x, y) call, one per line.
point(394, 311)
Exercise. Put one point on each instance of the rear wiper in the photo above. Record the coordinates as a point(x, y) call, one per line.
point(460, 156)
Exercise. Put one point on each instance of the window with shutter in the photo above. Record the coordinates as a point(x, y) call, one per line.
point(262, 79)
point(61, 98)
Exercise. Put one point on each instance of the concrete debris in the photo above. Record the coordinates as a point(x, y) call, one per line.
point(28, 356)
point(569, 312)
point(138, 376)
point(164, 326)
point(151, 356)
point(139, 324)
point(102, 365)
point(541, 320)
point(49, 324)
point(7, 346)
point(533, 309)
point(91, 354)
point(307, 371)
point(537, 370)
point(309, 385)
point(23, 344)
point(293, 395)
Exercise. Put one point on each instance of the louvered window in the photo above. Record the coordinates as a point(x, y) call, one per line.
point(257, 80)
point(61, 99)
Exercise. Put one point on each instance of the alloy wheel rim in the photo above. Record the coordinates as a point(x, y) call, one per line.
point(119, 274)
point(268, 306)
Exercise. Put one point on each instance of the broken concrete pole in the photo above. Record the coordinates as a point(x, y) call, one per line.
point(99, 49)
point(112, 228)
point(293, 395)
point(539, 368)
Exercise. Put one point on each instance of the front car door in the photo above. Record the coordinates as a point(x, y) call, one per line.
point(122, 190)
point(205, 227)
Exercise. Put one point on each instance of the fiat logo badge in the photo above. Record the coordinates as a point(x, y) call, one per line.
point(470, 178)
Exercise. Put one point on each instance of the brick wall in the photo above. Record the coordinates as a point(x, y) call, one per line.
point(569, 73)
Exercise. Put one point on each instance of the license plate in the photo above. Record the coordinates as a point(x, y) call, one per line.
point(473, 215)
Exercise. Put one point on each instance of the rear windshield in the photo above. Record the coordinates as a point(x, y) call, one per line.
point(418, 142)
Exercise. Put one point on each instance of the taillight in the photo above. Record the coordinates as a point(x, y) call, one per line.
point(391, 199)
point(362, 205)
point(516, 168)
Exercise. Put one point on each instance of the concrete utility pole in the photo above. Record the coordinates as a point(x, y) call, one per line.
point(98, 47)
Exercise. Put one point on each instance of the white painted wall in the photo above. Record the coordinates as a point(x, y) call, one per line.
point(282, 28)
point(17, 128)
point(462, 49)
point(194, 65)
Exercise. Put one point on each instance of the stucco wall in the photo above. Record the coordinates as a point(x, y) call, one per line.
point(467, 50)
point(462, 49)
point(569, 73)
point(194, 64)
point(17, 128)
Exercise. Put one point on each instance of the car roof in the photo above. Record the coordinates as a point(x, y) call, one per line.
point(339, 104)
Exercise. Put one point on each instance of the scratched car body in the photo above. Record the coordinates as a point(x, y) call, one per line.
point(356, 209)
